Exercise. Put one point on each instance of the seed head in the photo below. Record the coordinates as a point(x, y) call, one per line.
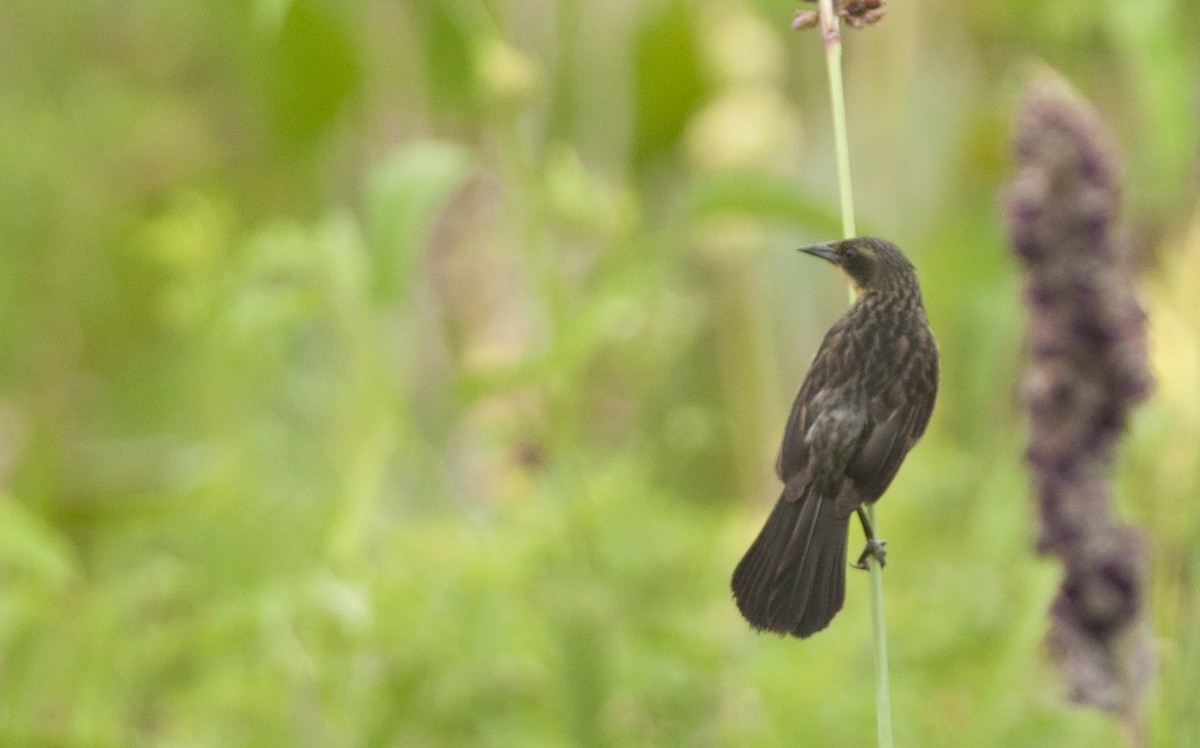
point(1086, 370)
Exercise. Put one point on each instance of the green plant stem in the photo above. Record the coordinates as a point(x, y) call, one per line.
point(837, 101)
point(833, 57)
point(883, 698)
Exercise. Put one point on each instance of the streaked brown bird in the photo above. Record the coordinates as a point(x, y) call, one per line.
point(865, 402)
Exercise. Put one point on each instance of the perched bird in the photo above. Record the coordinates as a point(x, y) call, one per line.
point(865, 402)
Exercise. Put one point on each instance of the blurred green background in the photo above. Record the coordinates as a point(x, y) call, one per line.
point(411, 374)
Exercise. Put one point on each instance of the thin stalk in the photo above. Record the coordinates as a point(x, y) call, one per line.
point(837, 100)
point(833, 58)
point(883, 698)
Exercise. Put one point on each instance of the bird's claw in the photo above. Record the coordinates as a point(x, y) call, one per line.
point(874, 547)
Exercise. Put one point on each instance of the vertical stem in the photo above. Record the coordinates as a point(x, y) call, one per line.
point(837, 100)
point(883, 698)
point(833, 57)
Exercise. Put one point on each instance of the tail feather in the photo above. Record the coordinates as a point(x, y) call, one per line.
point(793, 578)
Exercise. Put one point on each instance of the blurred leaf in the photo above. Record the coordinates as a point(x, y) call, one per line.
point(669, 83)
point(314, 71)
point(404, 194)
point(29, 544)
point(763, 196)
point(270, 15)
point(449, 58)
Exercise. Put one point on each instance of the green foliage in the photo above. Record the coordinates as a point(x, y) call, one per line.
point(668, 79)
point(411, 374)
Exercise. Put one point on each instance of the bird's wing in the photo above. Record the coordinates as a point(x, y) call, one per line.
point(827, 422)
point(815, 394)
point(893, 426)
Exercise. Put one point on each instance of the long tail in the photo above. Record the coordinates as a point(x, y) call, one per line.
point(793, 578)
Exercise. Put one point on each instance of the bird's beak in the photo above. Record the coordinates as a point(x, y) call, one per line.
point(825, 250)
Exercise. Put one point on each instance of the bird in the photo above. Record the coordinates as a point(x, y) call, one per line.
point(864, 403)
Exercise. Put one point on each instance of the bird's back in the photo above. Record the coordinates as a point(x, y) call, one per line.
point(877, 364)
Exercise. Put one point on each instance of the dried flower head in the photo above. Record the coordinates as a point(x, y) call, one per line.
point(1087, 369)
point(856, 13)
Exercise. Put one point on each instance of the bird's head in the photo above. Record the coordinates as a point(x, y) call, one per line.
point(871, 263)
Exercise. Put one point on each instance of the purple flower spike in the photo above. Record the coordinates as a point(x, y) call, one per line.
point(1086, 370)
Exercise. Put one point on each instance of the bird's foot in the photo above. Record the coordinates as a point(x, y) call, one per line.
point(875, 547)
